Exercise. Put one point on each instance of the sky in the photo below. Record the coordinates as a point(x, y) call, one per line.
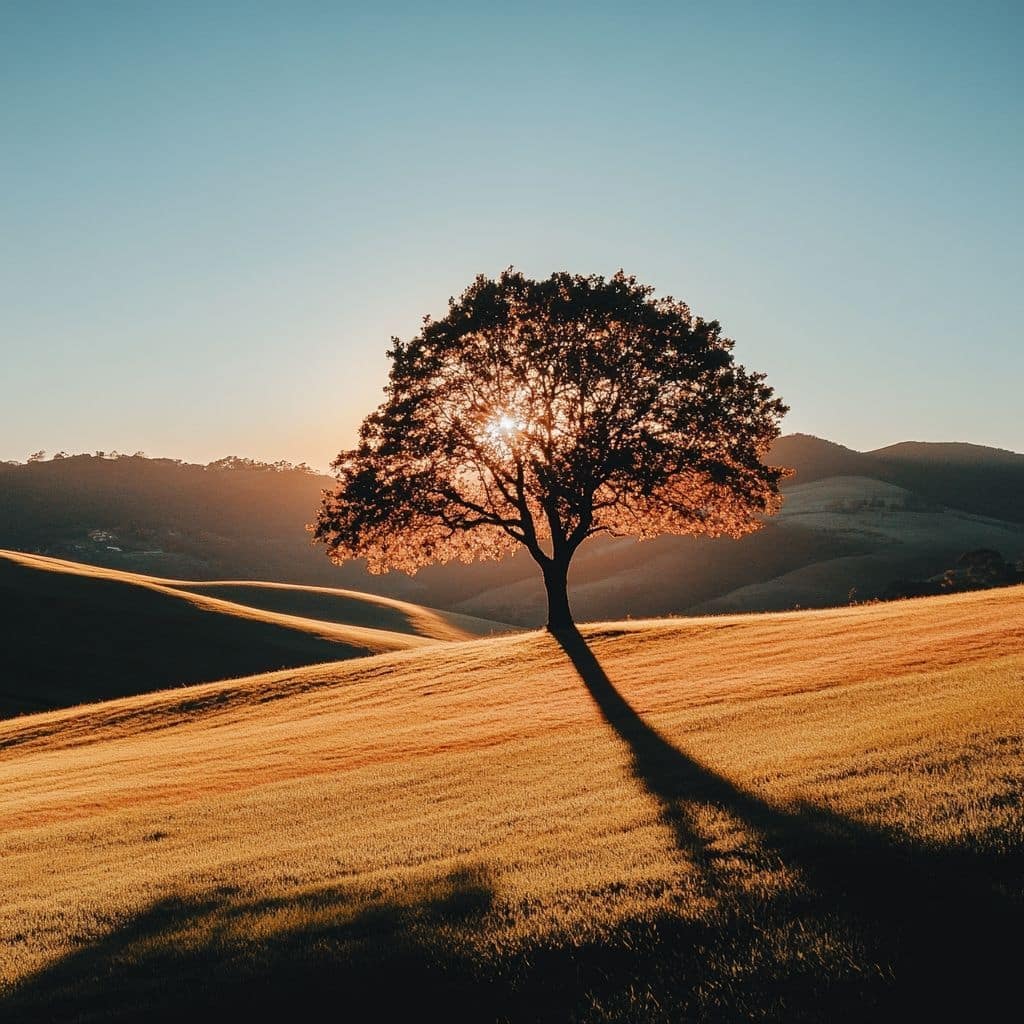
point(214, 216)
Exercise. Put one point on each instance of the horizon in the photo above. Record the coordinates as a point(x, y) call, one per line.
point(111, 453)
point(224, 215)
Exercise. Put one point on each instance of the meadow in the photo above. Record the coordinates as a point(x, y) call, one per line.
point(801, 816)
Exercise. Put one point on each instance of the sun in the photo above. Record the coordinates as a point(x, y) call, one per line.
point(500, 433)
point(503, 427)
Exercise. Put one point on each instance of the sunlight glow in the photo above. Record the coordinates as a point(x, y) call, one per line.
point(504, 428)
point(500, 433)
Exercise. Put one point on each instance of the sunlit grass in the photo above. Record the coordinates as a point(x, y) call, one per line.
point(827, 806)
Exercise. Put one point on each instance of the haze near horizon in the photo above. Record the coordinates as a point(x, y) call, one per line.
point(217, 218)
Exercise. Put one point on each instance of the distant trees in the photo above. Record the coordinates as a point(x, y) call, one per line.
point(541, 413)
point(228, 462)
point(979, 569)
point(239, 462)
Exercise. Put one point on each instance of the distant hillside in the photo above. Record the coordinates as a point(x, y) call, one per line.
point(969, 477)
point(956, 453)
point(881, 532)
point(986, 481)
point(166, 517)
point(74, 633)
point(238, 521)
point(814, 459)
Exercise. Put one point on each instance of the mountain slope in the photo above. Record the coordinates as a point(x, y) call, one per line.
point(78, 633)
point(166, 517)
point(954, 498)
point(802, 816)
point(813, 458)
point(984, 481)
point(875, 533)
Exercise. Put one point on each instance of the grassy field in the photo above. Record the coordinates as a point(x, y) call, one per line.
point(809, 816)
point(80, 633)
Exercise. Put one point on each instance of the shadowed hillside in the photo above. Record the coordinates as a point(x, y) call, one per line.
point(77, 633)
point(986, 481)
point(797, 817)
point(165, 517)
point(879, 532)
point(968, 477)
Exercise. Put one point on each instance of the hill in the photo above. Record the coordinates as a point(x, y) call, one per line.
point(792, 817)
point(967, 477)
point(852, 523)
point(885, 532)
point(812, 458)
point(79, 633)
point(236, 520)
point(231, 519)
point(347, 607)
point(984, 481)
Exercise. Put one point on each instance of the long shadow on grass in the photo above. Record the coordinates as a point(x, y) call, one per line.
point(345, 954)
point(937, 935)
point(333, 954)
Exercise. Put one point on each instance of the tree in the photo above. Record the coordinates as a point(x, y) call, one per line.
point(541, 413)
point(978, 570)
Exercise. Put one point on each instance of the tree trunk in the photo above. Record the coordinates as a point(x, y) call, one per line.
point(556, 582)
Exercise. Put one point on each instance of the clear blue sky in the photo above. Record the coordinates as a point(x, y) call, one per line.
point(215, 215)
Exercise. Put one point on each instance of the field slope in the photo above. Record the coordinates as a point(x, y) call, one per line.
point(79, 633)
point(793, 817)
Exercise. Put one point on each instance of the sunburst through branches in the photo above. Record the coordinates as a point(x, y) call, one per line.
point(542, 413)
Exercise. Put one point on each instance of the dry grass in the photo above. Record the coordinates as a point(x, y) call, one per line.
point(288, 601)
point(807, 816)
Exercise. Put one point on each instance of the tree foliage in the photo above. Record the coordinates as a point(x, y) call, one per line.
point(542, 413)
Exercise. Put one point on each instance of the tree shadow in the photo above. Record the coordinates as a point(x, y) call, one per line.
point(331, 954)
point(939, 932)
point(343, 954)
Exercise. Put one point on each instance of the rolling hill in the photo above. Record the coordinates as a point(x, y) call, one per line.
point(878, 532)
point(79, 633)
point(785, 817)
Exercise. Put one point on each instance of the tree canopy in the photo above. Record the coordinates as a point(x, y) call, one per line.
point(541, 413)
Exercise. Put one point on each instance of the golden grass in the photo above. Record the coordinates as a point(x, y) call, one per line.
point(779, 817)
point(293, 604)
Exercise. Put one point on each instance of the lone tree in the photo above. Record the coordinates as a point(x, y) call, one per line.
point(542, 413)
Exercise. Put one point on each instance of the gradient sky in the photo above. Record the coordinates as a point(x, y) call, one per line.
point(214, 216)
